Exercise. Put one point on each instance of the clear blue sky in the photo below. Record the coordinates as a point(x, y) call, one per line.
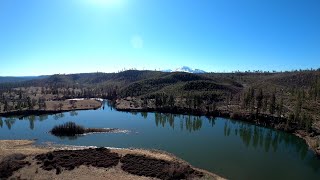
point(70, 36)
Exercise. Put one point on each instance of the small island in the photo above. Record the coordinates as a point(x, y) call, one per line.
point(72, 129)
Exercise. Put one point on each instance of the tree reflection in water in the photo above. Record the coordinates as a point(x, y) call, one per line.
point(10, 122)
point(162, 119)
point(187, 122)
point(212, 121)
point(268, 139)
point(31, 121)
point(58, 116)
point(69, 137)
point(144, 115)
point(193, 124)
point(73, 113)
point(1, 122)
point(250, 135)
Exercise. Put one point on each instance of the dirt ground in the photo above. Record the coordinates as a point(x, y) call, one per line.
point(66, 105)
point(34, 169)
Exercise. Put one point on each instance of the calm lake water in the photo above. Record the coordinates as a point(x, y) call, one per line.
point(232, 149)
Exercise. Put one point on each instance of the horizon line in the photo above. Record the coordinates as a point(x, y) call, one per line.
point(164, 70)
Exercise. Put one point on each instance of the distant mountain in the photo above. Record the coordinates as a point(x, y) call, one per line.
point(186, 69)
point(167, 70)
point(12, 79)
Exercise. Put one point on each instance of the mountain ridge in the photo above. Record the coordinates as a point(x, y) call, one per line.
point(186, 69)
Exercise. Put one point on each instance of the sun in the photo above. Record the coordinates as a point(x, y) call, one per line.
point(105, 2)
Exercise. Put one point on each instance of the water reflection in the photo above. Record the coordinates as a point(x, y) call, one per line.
point(251, 136)
point(260, 137)
point(109, 105)
point(71, 138)
point(58, 116)
point(31, 121)
point(144, 115)
point(187, 122)
point(73, 113)
point(1, 122)
point(212, 121)
point(10, 121)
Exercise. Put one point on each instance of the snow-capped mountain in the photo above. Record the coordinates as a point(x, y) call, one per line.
point(186, 69)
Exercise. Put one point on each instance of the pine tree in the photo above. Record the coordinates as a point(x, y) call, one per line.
point(20, 94)
point(19, 106)
point(252, 100)
point(44, 105)
point(29, 103)
point(272, 106)
point(189, 100)
point(6, 106)
point(164, 99)
point(259, 99)
point(158, 100)
point(280, 108)
point(298, 107)
point(308, 123)
point(265, 104)
point(60, 106)
point(145, 102)
point(171, 101)
point(317, 89)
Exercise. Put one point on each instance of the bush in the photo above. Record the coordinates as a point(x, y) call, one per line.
point(68, 129)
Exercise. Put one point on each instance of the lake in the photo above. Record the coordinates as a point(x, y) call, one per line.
point(229, 148)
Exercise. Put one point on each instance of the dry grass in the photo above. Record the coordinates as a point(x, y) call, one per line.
point(66, 105)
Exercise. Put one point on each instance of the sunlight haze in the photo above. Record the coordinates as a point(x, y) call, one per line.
point(109, 35)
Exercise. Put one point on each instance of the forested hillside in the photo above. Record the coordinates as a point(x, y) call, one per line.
point(291, 96)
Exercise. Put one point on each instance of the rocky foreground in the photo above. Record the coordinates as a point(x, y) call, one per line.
point(20, 159)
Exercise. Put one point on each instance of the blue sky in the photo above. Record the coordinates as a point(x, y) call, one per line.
point(71, 36)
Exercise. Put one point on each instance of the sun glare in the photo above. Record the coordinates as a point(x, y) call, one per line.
point(105, 2)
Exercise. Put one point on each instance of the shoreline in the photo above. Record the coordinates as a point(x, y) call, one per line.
point(27, 148)
point(91, 104)
point(40, 112)
point(262, 120)
point(311, 139)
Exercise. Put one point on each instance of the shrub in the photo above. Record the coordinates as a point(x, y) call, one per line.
point(68, 129)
